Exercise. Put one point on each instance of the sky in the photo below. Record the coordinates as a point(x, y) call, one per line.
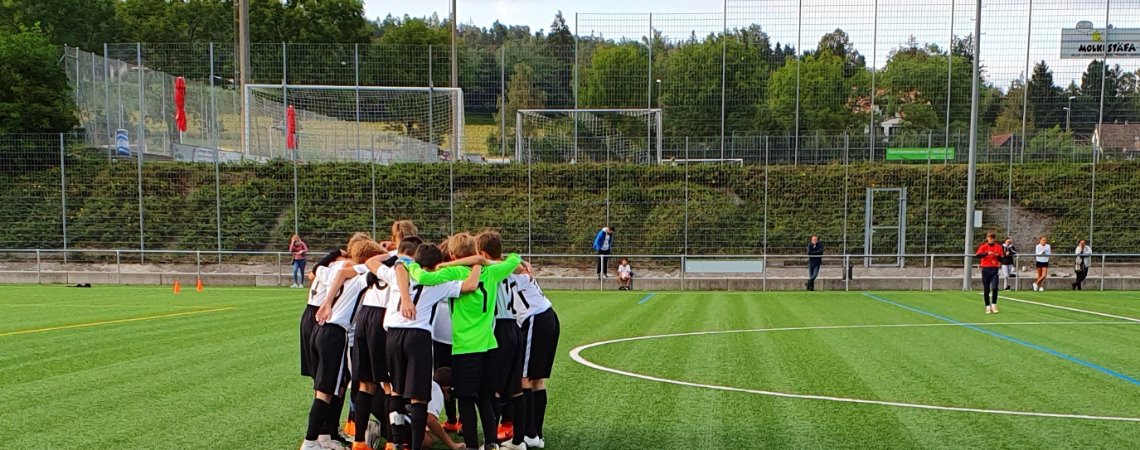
point(1004, 23)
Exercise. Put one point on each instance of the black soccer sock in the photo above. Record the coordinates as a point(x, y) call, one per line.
point(332, 420)
point(398, 436)
point(419, 424)
point(539, 410)
point(360, 416)
point(518, 404)
point(506, 412)
point(487, 419)
point(449, 406)
point(380, 410)
point(530, 429)
point(470, 423)
point(317, 419)
point(497, 407)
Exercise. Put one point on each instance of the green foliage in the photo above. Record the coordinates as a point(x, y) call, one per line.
point(34, 92)
point(824, 94)
point(616, 77)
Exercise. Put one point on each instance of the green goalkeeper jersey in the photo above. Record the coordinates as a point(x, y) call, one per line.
point(473, 313)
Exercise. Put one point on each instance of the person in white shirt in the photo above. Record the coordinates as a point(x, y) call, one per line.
point(541, 328)
point(329, 357)
point(1043, 251)
point(409, 348)
point(440, 388)
point(625, 275)
point(1081, 265)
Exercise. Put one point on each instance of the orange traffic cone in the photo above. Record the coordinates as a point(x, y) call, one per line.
point(199, 285)
point(177, 287)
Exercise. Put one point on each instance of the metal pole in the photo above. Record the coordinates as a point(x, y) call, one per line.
point(575, 150)
point(1100, 119)
point(723, 72)
point(1025, 94)
point(973, 159)
point(529, 207)
point(649, 99)
point(63, 193)
point(871, 131)
point(764, 238)
point(243, 65)
point(39, 268)
point(931, 272)
point(949, 85)
point(1102, 272)
point(1009, 194)
point(214, 138)
point(503, 102)
point(799, 47)
point(372, 169)
point(846, 183)
point(458, 132)
point(141, 147)
point(118, 266)
point(518, 136)
point(107, 98)
point(431, 101)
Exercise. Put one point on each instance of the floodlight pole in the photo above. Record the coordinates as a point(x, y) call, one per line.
point(243, 63)
point(455, 74)
point(967, 264)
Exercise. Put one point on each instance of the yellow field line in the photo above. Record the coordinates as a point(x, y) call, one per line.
point(70, 305)
point(109, 322)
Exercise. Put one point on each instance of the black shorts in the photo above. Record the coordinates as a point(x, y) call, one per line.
point(308, 324)
point(410, 361)
point(504, 365)
point(467, 374)
point(441, 354)
point(540, 344)
point(1042, 264)
point(329, 358)
point(370, 361)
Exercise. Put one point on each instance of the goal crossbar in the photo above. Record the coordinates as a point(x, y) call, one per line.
point(655, 112)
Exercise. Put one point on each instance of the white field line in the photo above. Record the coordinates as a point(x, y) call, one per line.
point(1095, 313)
point(576, 355)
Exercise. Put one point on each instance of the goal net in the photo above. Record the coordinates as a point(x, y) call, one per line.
point(350, 123)
point(588, 135)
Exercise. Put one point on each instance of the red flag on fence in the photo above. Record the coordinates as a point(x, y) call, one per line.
point(180, 103)
point(291, 128)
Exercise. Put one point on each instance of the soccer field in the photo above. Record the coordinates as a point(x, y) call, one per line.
point(139, 367)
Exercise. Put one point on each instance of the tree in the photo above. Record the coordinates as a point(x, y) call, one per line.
point(522, 92)
point(838, 43)
point(560, 35)
point(617, 78)
point(1009, 119)
point(916, 74)
point(34, 92)
point(1044, 97)
point(86, 24)
point(825, 94)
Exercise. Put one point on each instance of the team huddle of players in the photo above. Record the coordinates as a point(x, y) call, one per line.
point(408, 329)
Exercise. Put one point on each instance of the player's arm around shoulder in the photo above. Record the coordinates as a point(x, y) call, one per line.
point(472, 282)
point(500, 271)
point(443, 275)
point(325, 311)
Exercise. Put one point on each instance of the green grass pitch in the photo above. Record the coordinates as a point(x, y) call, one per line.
point(138, 367)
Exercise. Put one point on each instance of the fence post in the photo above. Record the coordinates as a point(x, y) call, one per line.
point(280, 277)
point(683, 263)
point(216, 139)
point(63, 193)
point(931, 272)
point(39, 276)
point(118, 267)
point(846, 272)
point(1102, 272)
point(141, 147)
point(764, 273)
point(198, 263)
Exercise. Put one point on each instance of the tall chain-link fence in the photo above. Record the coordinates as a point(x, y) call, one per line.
point(779, 120)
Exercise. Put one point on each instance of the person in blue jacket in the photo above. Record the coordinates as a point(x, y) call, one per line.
point(603, 244)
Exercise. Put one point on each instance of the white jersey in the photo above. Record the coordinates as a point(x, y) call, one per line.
point(529, 300)
point(344, 309)
point(321, 282)
point(378, 291)
point(1043, 252)
point(441, 327)
point(424, 298)
point(503, 307)
point(435, 405)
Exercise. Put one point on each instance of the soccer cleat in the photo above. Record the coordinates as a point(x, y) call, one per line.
point(490, 446)
point(328, 443)
point(506, 431)
point(452, 427)
point(995, 309)
point(1034, 286)
point(508, 445)
point(350, 427)
point(534, 442)
point(989, 310)
point(360, 446)
point(311, 445)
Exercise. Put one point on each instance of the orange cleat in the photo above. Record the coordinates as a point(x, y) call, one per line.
point(360, 446)
point(389, 446)
point(452, 427)
point(506, 431)
point(350, 428)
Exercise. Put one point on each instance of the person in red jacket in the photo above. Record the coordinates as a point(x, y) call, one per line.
point(990, 253)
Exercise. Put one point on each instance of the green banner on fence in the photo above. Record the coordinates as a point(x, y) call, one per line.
point(920, 153)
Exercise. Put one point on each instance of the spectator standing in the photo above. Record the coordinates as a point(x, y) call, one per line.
point(1081, 266)
point(1008, 264)
point(299, 250)
point(990, 253)
point(814, 250)
point(603, 244)
point(1043, 251)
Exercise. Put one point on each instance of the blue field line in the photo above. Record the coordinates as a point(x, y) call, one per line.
point(1010, 339)
point(646, 298)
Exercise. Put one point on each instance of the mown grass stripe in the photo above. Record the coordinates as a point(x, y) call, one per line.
point(646, 298)
point(111, 322)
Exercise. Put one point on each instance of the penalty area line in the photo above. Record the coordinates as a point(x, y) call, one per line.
point(1067, 308)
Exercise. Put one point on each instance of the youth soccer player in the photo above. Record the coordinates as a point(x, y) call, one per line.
point(540, 329)
point(410, 344)
point(330, 343)
point(472, 317)
point(319, 287)
point(441, 343)
point(504, 367)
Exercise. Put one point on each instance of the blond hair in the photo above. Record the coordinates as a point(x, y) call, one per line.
point(461, 245)
point(402, 229)
point(362, 249)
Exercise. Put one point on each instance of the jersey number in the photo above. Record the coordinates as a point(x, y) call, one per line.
point(483, 290)
point(419, 290)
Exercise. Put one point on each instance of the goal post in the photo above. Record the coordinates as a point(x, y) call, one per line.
point(630, 135)
point(401, 123)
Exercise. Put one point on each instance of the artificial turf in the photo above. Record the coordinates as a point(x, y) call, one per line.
point(138, 367)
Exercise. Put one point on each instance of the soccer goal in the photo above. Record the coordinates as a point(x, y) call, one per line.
point(355, 123)
point(588, 135)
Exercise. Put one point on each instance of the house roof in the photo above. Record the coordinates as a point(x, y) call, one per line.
point(1119, 136)
point(999, 140)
